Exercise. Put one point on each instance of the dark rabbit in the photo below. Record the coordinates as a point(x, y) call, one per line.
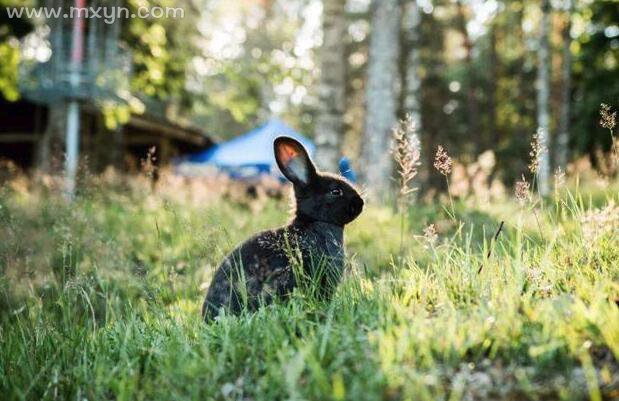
point(269, 264)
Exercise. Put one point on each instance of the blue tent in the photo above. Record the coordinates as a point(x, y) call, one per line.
point(249, 154)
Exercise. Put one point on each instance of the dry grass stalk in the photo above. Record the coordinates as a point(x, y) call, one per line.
point(537, 150)
point(430, 235)
point(608, 120)
point(406, 153)
point(442, 161)
point(522, 190)
point(492, 241)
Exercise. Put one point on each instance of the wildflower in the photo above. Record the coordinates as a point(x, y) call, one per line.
point(538, 148)
point(522, 190)
point(442, 161)
point(608, 120)
point(406, 153)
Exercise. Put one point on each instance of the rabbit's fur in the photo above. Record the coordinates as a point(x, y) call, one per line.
point(269, 264)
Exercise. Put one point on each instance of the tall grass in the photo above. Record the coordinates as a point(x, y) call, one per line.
point(100, 300)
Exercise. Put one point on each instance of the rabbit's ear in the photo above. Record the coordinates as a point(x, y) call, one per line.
point(293, 160)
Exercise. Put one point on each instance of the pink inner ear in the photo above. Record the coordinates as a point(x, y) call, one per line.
point(286, 153)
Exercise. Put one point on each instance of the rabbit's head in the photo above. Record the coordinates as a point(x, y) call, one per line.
point(319, 196)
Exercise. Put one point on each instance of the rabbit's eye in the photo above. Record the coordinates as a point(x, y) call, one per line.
point(336, 192)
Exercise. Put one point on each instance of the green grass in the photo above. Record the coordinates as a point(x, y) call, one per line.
point(100, 300)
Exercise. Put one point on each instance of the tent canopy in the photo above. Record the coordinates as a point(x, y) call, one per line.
point(251, 153)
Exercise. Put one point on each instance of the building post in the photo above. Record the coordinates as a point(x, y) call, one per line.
point(73, 112)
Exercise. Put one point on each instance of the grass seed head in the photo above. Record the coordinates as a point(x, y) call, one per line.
point(608, 120)
point(430, 235)
point(522, 190)
point(442, 161)
point(538, 148)
point(406, 153)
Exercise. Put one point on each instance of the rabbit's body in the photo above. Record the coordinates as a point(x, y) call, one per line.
point(263, 267)
point(270, 264)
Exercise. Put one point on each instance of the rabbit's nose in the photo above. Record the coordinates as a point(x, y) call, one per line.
point(356, 206)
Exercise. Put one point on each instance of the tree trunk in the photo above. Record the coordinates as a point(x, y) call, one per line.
point(543, 96)
point(563, 134)
point(381, 96)
point(495, 134)
point(471, 85)
point(412, 80)
point(330, 120)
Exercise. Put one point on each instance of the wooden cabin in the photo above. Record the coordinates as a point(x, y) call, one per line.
point(23, 127)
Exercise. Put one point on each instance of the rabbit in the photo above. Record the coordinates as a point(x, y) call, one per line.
point(263, 267)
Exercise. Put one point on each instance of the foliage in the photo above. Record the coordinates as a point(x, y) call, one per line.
point(162, 49)
point(8, 71)
point(229, 64)
point(10, 30)
point(596, 69)
point(100, 299)
point(13, 27)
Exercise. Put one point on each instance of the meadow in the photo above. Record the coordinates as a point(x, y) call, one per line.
point(100, 299)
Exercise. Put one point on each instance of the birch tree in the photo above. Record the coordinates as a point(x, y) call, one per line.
point(543, 95)
point(330, 123)
point(381, 95)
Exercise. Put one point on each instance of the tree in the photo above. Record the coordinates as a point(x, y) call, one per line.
point(10, 30)
point(563, 134)
point(543, 96)
point(412, 80)
point(381, 94)
point(330, 123)
point(471, 84)
point(493, 61)
point(162, 51)
point(595, 72)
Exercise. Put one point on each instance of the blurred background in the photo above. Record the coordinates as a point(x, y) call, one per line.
point(479, 78)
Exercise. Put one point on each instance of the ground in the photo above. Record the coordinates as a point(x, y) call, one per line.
point(100, 299)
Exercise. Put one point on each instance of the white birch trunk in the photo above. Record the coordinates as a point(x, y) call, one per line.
point(543, 95)
point(381, 96)
point(330, 119)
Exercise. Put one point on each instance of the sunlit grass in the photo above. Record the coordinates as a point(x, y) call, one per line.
point(101, 299)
